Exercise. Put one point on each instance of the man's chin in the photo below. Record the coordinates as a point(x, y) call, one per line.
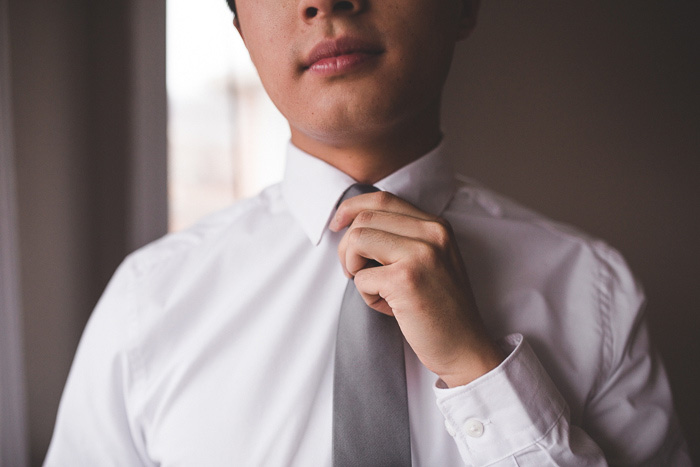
point(343, 132)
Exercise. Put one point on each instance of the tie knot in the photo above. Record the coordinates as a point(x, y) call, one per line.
point(357, 189)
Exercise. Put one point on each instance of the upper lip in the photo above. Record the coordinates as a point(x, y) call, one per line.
point(328, 48)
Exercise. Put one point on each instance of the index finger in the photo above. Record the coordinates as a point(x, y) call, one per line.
point(378, 201)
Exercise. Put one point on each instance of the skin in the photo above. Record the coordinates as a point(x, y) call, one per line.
point(369, 121)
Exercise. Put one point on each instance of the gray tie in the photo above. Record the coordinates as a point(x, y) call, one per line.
point(370, 404)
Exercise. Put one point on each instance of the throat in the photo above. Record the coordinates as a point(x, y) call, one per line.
point(370, 161)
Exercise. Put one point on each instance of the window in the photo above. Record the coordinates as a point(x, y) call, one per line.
point(226, 139)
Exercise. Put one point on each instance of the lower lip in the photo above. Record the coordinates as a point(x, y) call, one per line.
point(341, 64)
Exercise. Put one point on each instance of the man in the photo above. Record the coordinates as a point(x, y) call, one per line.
point(524, 341)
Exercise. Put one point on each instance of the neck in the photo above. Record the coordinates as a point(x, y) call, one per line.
point(370, 158)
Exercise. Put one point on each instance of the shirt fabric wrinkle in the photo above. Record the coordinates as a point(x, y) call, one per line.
point(226, 332)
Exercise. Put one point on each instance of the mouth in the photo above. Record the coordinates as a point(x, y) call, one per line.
point(338, 56)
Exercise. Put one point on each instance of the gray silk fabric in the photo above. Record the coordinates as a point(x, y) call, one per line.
point(370, 404)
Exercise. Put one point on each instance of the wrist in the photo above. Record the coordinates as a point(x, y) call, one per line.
point(476, 364)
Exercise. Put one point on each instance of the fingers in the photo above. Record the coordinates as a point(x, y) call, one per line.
point(370, 215)
point(369, 282)
point(362, 244)
point(379, 201)
point(426, 227)
point(422, 282)
point(386, 237)
point(390, 231)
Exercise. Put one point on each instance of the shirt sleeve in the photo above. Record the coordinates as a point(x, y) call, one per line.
point(94, 425)
point(515, 415)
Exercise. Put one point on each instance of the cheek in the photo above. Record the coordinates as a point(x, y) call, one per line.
point(282, 88)
point(268, 34)
point(424, 44)
point(275, 69)
point(423, 65)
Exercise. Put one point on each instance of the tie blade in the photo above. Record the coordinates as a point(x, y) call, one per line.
point(370, 418)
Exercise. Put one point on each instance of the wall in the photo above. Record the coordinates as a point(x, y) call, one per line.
point(13, 427)
point(88, 88)
point(590, 113)
point(587, 111)
point(49, 62)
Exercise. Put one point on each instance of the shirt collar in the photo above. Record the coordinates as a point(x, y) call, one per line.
point(312, 187)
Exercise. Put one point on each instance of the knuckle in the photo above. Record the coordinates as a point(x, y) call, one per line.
point(424, 250)
point(427, 254)
point(365, 217)
point(440, 234)
point(383, 198)
point(409, 276)
point(356, 234)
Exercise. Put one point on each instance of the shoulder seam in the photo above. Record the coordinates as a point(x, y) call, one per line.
point(176, 242)
point(604, 290)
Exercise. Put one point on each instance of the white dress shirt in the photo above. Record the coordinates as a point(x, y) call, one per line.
point(214, 346)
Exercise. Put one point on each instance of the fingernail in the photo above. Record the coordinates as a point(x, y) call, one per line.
point(335, 224)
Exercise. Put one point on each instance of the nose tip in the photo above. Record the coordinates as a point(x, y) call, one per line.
point(311, 9)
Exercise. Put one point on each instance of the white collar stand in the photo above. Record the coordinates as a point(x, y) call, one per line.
point(312, 187)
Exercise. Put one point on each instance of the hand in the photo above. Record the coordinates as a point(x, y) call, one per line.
point(421, 281)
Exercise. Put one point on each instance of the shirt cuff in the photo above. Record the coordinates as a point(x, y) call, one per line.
point(504, 411)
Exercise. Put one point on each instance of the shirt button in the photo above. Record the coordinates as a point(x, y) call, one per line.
point(450, 429)
point(474, 428)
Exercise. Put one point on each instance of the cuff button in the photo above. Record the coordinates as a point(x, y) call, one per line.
point(474, 428)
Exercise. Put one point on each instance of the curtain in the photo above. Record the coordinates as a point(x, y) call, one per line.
point(13, 445)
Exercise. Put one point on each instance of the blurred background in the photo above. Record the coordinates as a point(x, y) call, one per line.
point(586, 111)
